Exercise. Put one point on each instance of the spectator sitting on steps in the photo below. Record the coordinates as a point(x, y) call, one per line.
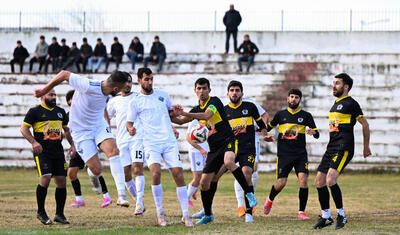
point(40, 54)
point(20, 54)
point(248, 50)
point(157, 54)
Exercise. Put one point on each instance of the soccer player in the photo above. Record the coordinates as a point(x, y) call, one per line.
point(222, 142)
point(293, 123)
point(238, 189)
point(88, 127)
point(48, 122)
point(75, 164)
point(340, 150)
point(241, 116)
point(130, 147)
point(152, 108)
point(197, 156)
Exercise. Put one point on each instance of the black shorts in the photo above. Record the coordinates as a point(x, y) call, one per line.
point(246, 159)
point(77, 161)
point(50, 166)
point(336, 159)
point(215, 159)
point(285, 164)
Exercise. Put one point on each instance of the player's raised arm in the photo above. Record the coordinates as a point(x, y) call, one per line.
point(59, 78)
point(366, 133)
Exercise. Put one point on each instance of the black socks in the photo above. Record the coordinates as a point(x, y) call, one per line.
point(303, 198)
point(61, 196)
point(337, 195)
point(41, 193)
point(103, 184)
point(77, 187)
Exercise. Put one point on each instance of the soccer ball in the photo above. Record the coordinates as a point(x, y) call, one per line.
point(199, 133)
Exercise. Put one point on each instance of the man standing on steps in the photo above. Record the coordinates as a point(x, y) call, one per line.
point(232, 20)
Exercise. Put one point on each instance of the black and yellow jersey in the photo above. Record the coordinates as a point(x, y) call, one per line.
point(218, 124)
point(292, 131)
point(241, 119)
point(342, 118)
point(47, 126)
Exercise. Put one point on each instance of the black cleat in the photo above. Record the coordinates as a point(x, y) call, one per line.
point(61, 219)
point(42, 217)
point(322, 223)
point(340, 221)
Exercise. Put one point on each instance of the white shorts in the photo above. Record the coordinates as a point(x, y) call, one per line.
point(131, 152)
point(168, 151)
point(257, 150)
point(197, 161)
point(87, 141)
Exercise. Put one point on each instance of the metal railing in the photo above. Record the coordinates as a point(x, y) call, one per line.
point(274, 20)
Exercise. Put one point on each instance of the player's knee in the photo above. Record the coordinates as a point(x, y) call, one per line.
point(114, 152)
point(280, 184)
point(72, 175)
point(137, 171)
point(330, 181)
point(319, 182)
point(96, 170)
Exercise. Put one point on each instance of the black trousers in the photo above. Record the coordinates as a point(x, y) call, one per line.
point(41, 61)
point(19, 61)
point(228, 35)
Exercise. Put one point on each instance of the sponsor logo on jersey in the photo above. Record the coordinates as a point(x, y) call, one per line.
point(300, 119)
point(245, 111)
point(161, 98)
point(94, 83)
point(60, 115)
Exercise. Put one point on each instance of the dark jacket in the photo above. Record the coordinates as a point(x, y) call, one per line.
point(232, 20)
point(137, 47)
point(100, 50)
point(20, 53)
point(86, 50)
point(249, 48)
point(158, 49)
point(74, 53)
point(117, 49)
point(64, 51)
point(54, 50)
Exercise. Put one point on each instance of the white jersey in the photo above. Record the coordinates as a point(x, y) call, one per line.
point(117, 108)
point(88, 104)
point(204, 145)
point(152, 113)
point(261, 111)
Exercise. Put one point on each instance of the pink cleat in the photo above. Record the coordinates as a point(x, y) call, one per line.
point(77, 204)
point(191, 204)
point(106, 202)
point(267, 206)
point(302, 216)
point(194, 196)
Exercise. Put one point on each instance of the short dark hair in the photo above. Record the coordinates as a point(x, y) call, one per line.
point(136, 38)
point(69, 95)
point(99, 39)
point(54, 38)
point(63, 40)
point(84, 39)
point(41, 37)
point(347, 80)
point(142, 71)
point(19, 42)
point(156, 37)
point(115, 38)
point(246, 35)
point(117, 78)
point(235, 83)
point(295, 91)
point(74, 44)
point(202, 81)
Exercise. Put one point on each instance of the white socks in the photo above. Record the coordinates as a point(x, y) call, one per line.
point(326, 213)
point(117, 172)
point(254, 179)
point(183, 200)
point(158, 195)
point(340, 211)
point(79, 198)
point(191, 191)
point(131, 186)
point(139, 189)
point(106, 195)
point(239, 194)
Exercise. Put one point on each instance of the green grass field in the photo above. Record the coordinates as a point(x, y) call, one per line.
point(371, 201)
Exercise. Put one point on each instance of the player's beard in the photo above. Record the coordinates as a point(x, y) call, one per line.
point(50, 103)
point(338, 93)
point(234, 101)
point(293, 106)
point(147, 90)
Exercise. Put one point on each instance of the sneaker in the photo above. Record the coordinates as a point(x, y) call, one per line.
point(122, 201)
point(340, 221)
point(267, 206)
point(241, 211)
point(77, 203)
point(194, 196)
point(42, 217)
point(322, 223)
point(191, 204)
point(106, 202)
point(198, 215)
point(61, 219)
point(186, 220)
point(249, 218)
point(140, 210)
point(252, 199)
point(302, 216)
point(206, 219)
point(161, 220)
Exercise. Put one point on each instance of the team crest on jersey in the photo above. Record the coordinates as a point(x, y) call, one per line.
point(300, 119)
point(339, 107)
point(198, 163)
point(245, 111)
point(60, 115)
point(161, 98)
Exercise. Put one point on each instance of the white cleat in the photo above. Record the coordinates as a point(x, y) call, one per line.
point(139, 210)
point(198, 215)
point(122, 201)
point(249, 218)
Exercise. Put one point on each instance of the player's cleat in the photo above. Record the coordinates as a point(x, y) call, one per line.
point(198, 215)
point(254, 210)
point(186, 220)
point(122, 201)
point(249, 218)
point(302, 216)
point(61, 219)
point(140, 210)
point(340, 221)
point(194, 196)
point(252, 199)
point(267, 206)
point(106, 202)
point(161, 220)
point(206, 219)
point(241, 211)
point(191, 204)
point(322, 223)
point(42, 217)
point(77, 203)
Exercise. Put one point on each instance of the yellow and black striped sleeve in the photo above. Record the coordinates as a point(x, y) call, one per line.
point(275, 121)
